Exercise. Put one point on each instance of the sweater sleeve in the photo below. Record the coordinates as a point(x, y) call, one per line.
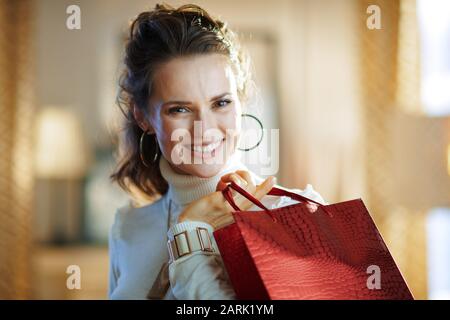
point(113, 271)
point(199, 275)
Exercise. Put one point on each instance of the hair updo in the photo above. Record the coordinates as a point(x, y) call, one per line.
point(155, 37)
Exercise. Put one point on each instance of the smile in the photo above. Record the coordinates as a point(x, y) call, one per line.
point(208, 148)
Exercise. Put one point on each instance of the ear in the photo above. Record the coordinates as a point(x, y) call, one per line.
point(141, 120)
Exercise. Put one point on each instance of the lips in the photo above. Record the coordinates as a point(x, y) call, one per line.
point(206, 150)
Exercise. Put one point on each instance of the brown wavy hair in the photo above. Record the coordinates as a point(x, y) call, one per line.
point(154, 38)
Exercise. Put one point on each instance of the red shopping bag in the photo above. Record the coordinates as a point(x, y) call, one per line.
point(335, 252)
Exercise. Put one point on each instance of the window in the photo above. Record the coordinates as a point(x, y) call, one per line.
point(434, 25)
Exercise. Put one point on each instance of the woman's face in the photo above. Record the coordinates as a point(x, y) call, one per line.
point(195, 112)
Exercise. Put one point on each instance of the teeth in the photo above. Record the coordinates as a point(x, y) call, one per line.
point(210, 147)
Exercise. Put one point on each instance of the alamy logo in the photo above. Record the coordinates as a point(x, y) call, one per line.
point(73, 21)
point(374, 280)
point(374, 20)
point(74, 280)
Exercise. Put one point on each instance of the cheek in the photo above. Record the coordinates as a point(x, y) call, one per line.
point(169, 132)
point(231, 126)
point(232, 123)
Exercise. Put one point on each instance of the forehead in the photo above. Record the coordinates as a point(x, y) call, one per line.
point(194, 77)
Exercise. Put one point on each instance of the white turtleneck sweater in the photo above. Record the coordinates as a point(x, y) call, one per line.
point(139, 256)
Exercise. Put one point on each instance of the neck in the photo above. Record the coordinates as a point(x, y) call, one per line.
point(185, 188)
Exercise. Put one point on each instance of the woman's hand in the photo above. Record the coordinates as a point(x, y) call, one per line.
point(215, 210)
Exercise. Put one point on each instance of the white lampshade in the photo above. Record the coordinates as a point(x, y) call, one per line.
point(60, 147)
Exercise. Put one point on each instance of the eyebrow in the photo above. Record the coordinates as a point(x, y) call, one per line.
point(188, 102)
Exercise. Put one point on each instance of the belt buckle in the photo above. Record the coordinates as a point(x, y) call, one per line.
point(200, 238)
point(187, 241)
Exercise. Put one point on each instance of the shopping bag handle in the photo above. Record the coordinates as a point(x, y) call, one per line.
point(273, 192)
point(281, 192)
point(229, 197)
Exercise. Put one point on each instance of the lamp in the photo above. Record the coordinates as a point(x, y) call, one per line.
point(61, 152)
point(61, 161)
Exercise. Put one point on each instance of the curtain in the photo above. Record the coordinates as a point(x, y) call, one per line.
point(340, 88)
point(16, 176)
point(390, 78)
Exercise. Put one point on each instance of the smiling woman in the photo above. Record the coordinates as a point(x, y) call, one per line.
point(177, 62)
point(183, 90)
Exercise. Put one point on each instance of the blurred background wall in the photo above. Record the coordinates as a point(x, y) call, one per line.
point(356, 110)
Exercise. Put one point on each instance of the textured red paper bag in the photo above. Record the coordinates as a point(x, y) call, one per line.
point(327, 254)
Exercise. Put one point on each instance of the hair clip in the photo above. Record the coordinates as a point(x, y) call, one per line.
point(197, 21)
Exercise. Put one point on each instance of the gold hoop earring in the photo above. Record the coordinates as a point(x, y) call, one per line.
point(155, 157)
point(141, 149)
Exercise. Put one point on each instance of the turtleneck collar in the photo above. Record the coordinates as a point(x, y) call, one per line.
point(184, 189)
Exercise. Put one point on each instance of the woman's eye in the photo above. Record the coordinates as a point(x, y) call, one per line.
point(178, 109)
point(223, 103)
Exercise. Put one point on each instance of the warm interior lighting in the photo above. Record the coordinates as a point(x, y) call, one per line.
point(433, 17)
point(60, 150)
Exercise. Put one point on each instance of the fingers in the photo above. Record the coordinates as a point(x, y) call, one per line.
point(233, 176)
point(312, 207)
point(264, 187)
point(244, 180)
point(221, 185)
point(260, 191)
point(246, 176)
point(240, 177)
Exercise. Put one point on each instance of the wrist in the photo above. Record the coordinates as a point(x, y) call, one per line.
point(183, 217)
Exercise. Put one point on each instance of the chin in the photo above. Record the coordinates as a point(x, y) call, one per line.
point(202, 170)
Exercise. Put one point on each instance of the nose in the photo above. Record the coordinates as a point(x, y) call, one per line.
point(206, 127)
